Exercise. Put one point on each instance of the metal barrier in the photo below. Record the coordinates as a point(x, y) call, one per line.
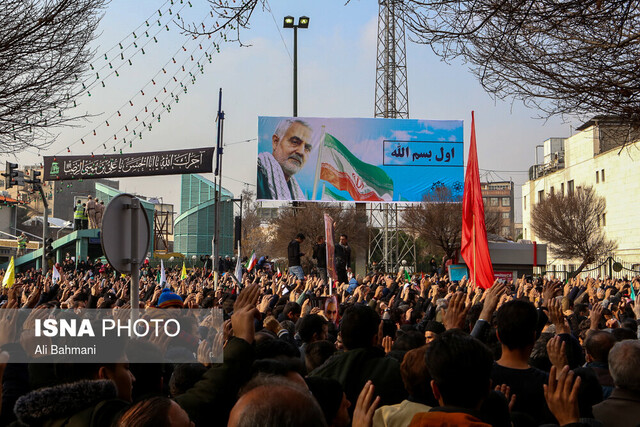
point(604, 267)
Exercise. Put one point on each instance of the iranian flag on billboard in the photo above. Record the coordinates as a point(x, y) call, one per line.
point(363, 181)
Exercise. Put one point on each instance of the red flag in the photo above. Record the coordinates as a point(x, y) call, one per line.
point(475, 248)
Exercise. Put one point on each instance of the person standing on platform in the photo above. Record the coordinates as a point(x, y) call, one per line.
point(343, 259)
point(294, 255)
point(77, 216)
point(85, 217)
point(22, 244)
point(99, 213)
point(91, 211)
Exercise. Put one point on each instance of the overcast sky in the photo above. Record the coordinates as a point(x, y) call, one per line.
point(336, 55)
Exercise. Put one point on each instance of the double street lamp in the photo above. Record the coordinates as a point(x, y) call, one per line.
point(289, 22)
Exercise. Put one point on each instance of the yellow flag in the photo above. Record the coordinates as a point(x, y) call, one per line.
point(184, 272)
point(10, 275)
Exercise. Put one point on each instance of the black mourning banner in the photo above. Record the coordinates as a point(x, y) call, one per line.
point(124, 165)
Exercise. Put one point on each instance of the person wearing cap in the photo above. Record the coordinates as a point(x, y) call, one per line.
point(169, 299)
point(432, 329)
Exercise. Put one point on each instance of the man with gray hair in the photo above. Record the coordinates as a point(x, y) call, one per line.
point(291, 145)
point(622, 408)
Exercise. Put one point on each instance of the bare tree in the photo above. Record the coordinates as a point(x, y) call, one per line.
point(308, 218)
point(43, 54)
point(571, 225)
point(233, 16)
point(572, 57)
point(493, 222)
point(255, 235)
point(575, 57)
point(438, 220)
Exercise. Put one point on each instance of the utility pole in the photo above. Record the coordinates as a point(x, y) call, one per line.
point(218, 190)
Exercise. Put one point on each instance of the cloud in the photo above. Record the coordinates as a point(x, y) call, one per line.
point(402, 135)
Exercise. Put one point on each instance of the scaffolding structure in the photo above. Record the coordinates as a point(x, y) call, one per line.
point(389, 245)
point(392, 93)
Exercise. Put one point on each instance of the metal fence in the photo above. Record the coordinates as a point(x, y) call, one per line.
point(604, 267)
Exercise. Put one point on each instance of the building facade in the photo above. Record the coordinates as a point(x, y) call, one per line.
point(498, 200)
point(194, 227)
point(605, 156)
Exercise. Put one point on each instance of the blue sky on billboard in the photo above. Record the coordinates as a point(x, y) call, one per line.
point(337, 58)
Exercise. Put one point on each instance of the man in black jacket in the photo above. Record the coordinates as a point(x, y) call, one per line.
point(343, 259)
point(294, 255)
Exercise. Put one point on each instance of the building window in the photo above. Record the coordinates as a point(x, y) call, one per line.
point(570, 188)
point(562, 189)
point(494, 201)
point(597, 177)
point(602, 175)
point(525, 233)
point(540, 196)
point(506, 231)
point(506, 201)
point(551, 191)
point(505, 215)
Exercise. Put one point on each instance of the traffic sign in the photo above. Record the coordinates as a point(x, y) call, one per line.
point(125, 238)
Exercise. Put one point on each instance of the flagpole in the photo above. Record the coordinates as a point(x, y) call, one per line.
point(318, 166)
point(473, 233)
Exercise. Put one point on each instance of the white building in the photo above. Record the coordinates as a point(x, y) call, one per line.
point(595, 157)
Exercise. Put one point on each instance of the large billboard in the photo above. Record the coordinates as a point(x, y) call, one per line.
point(197, 160)
point(362, 160)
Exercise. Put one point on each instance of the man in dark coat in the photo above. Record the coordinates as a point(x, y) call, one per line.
point(343, 259)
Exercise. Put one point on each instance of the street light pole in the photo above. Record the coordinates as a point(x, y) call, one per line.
point(303, 22)
point(295, 71)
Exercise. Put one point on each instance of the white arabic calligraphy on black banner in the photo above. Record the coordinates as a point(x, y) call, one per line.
point(124, 165)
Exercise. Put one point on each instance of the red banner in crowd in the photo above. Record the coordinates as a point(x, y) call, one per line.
point(328, 237)
point(475, 248)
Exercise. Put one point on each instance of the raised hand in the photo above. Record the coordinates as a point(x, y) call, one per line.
point(557, 317)
point(456, 313)
point(595, 315)
point(244, 311)
point(491, 300)
point(557, 353)
point(561, 395)
point(365, 407)
point(506, 391)
point(387, 343)
point(549, 291)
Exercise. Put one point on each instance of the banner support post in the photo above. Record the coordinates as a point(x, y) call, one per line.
point(318, 166)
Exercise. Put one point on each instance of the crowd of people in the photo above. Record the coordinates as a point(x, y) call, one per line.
point(375, 350)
